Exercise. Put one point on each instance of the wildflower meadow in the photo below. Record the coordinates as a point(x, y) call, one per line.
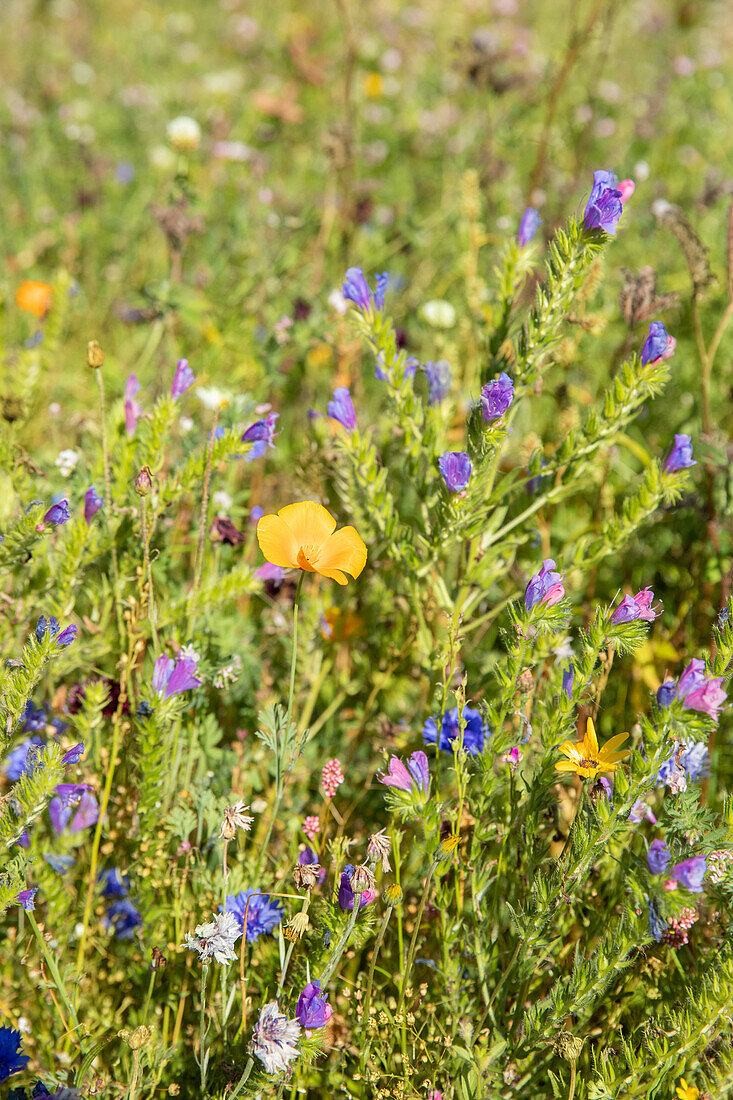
point(366, 550)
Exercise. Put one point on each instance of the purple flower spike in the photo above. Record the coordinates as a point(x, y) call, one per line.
point(172, 677)
point(25, 899)
point(346, 894)
point(57, 514)
point(456, 467)
point(690, 873)
point(182, 379)
point(133, 412)
point(658, 344)
point(438, 375)
point(545, 587)
point(568, 677)
point(341, 408)
point(73, 756)
point(92, 503)
point(658, 857)
point(636, 607)
point(416, 776)
point(356, 289)
point(261, 435)
point(496, 397)
point(680, 457)
point(606, 203)
point(528, 226)
point(313, 1008)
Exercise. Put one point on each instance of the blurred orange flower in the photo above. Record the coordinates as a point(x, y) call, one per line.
point(34, 297)
point(304, 536)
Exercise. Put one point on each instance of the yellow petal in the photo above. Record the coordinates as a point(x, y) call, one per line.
point(277, 542)
point(590, 738)
point(616, 757)
point(565, 766)
point(310, 523)
point(343, 550)
point(613, 743)
point(333, 575)
point(572, 748)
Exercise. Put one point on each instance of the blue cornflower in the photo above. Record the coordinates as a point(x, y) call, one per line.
point(122, 918)
point(438, 374)
point(456, 467)
point(473, 734)
point(22, 758)
point(356, 289)
point(528, 226)
point(11, 1059)
point(263, 914)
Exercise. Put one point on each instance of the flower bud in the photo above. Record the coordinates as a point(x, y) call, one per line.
point(95, 355)
point(568, 1046)
point(362, 878)
point(446, 848)
point(393, 895)
point(144, 482)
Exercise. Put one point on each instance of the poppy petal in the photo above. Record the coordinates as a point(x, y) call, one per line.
point(277, 542)
point(310, 523)
point(343, 550)
point(333, 575)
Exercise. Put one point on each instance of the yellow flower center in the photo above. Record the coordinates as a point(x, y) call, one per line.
point(307, 558)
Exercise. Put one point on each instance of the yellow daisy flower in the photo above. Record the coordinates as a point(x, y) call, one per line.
point(304, 536)
point(585, 758)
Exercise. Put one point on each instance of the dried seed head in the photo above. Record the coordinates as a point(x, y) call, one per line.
point(568, 1046)
point(235, 818)
point(380, 846)
point(362, 878)
point(297, 925)
point(305, 875)
point(158, 959)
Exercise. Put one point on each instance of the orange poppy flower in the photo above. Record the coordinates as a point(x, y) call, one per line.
point(34, 297)
point(304, 536)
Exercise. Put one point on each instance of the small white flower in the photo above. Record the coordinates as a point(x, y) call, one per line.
point(66, 462)
point(216, 938)
point(337, 302)
point(439, 314)
point(222, 499)
point(185, 424)
point(184, 134)
point(274, 1038)
point(211, 397)
point(188, 653)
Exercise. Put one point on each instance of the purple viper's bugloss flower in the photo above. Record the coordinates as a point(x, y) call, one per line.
point(313, 1008)
point(545, 587)
point(658, 344)
point(44, 625)
point(414, 776)
point(73, 755)
point(22, 758)
point(341, 408)
point(122, 918)
point(356, 289)
point(528, 226)
point(92, 503)
point(261, 913)
point(113, 884)
point(699, 691)
point(690, 873)
point(456, 467)
point(261, 435)
point(568, 677)
point(605, 205)
point(57, 514)
point(438, 375)
point(680, 457)
point(78, 813)
point(182, 379)
point(658, 857)
point(25, 899)
point(666, 692)
point(133, 412)
point(473, 734)
point(657, 923)
point(641, 811)
point(636, 607)
point(346, 894)
point(170, 677)
point(496, 397)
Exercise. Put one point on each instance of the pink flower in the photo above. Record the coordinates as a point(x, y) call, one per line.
point(311, 826)
point(331, 777)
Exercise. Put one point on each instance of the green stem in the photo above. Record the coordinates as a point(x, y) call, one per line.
point(202, 1030)
point(370, 978)
point(242, 1080)
point(341, 945)
point(108, 504)
point(413, 941)
point(571, 1090)
point(278, 782)
point(199, 566)
point(151, 983)
point(152, 609)
point(54, 971)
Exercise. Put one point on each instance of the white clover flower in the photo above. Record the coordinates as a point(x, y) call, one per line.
point(439, 314)
point(66, 462)
point(184, 134)
point(216, 938)
point(274, 1038)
